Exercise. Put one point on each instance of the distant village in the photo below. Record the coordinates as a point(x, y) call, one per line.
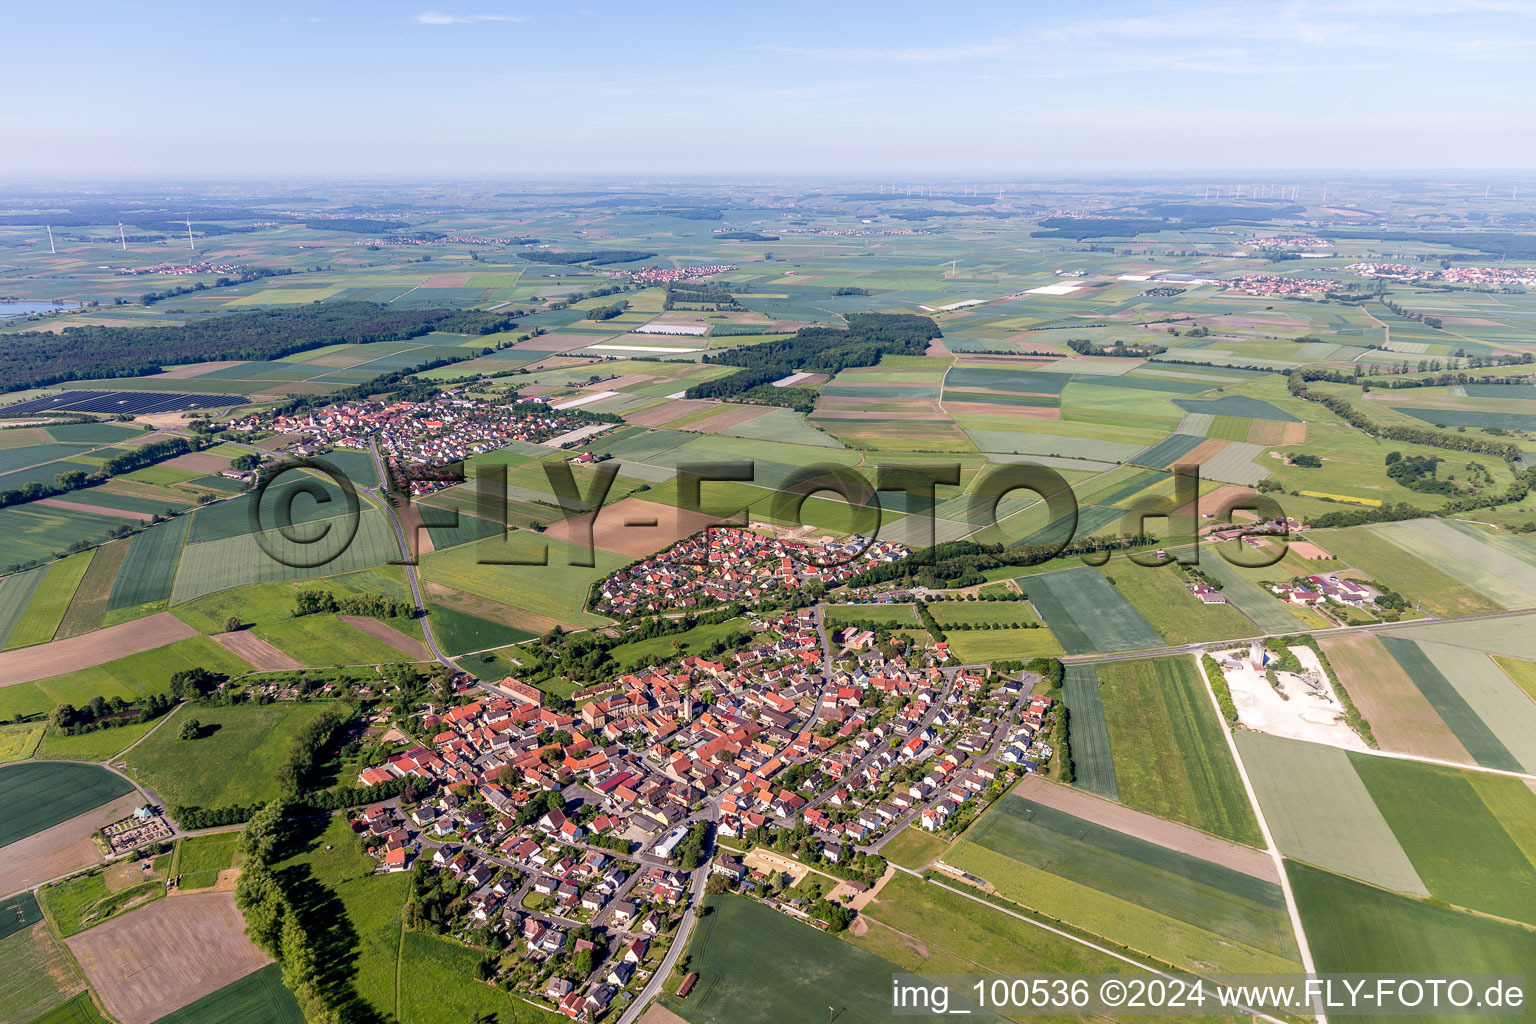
point(446, 429)
point(726, 564)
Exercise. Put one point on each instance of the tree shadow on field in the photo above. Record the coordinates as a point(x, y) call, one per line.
point(334, 941)
point(333, 938)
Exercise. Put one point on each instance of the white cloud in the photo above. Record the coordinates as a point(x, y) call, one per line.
point(439, 18)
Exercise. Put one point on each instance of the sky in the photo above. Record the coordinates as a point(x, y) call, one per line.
point(498, 89)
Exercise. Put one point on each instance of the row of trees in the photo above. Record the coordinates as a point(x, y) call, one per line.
point(377, 606)
point(275, 917)
point(1340, 407)
point(74, 479)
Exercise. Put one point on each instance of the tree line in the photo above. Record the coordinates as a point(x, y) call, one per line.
point(376, 606)
point(868, 338)
point(74, 479)
point(36, 359)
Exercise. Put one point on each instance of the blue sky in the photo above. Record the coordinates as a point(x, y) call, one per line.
point(476, 88)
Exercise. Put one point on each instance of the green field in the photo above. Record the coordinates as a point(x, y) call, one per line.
point(149, 568)
point(89, 604)
point(738, 985)
point(1462, 851)
point(16, 592)
point(976, 646)
point(1415, 578)
point(1167, 904)
point(1160, 597)
point(882, 614)
point(1320, 812)
point(237, 560)
point(440, 986)
point(85, 901)
point(913, 847)
point(556, 590)
point(36, 975)
point(130, 678)
point(362, 910)
point(18, 912)
point(199, 859)
point(459, 632)
point(233, 761)
point(79, 1010)
point(1170, 756)
point(97, 745)
point(1355, 927)
point(42, 617)
point(1092, 760)
point(257, 998)
point(42, 795)
point(19, 742)
point(925, 928)
point(1087, 613)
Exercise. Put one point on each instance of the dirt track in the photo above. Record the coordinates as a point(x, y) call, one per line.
point(26, 664)
point(99, 510)
point(249, 647)
point(165, 955)
point(1146, 826)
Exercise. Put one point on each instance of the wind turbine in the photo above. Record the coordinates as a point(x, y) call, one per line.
point(50, 240)
point(122, 237)
point(189, 235)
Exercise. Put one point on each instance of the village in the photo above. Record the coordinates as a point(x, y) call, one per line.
point(729, 564)
point(571, 842)
point(442, 430)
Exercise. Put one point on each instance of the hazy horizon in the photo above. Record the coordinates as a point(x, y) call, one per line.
point(507, 91)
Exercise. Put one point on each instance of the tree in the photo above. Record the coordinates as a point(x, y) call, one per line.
point(233, 624)
point(62, 716)
point(191, 729)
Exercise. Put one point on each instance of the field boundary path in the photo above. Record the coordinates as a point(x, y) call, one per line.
point(1300, 933)
point(406, 558)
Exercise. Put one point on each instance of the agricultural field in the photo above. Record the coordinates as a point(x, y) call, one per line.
point(50, 601)
point(542, 581)
point(1401, 715)
point(130, 677)
point(1159, 596)
point(737, 985)
point(1321, 813)
point(1165, 903)
point(165, 955)
point(1088, 734)
point(1086, 613)
point(35, 974)
point(1467, 835)
point(43, 795)
point(1170, 758)
point(1356, 927)
point(1487, 713)
point(259, 996)
point(19, 742)
point(231, 763)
